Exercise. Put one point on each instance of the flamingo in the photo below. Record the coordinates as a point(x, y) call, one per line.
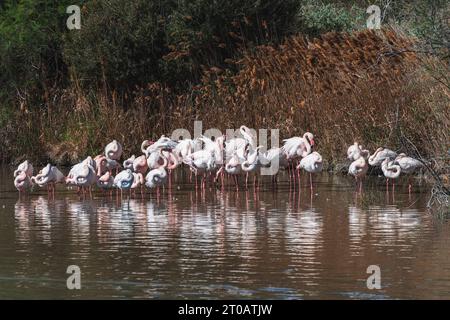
point(124, 180)
point(380, 154)
point(358, 169)
point(354, 151)
point(312, 163)
point(201, 161)
point(105, 181)
point(408, 165)
point(113, 150)
point(238, 145)
point(251, 164)
point(155, 159)
point(163, 142)
point(138, 181)
point(216, 148)
point(233, 167)
point(26, 167)
point(184, 148)
point(83, 175)
point(48, 176)
point(272, 156)
point(140, 165)
point(101, 164)
point(157, 177)
point(22, 182)
point(112, 164)
point(128, 163)
point(390, 171)
point(296, 147)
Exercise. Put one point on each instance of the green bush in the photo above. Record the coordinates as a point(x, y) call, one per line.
point(317, 17)
point(120, 42)
point(128, 43)
point(30, 46)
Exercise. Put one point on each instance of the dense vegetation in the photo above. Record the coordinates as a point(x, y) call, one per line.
point(141, 68)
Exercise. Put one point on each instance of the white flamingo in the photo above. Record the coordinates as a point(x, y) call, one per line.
point(380, 154)
point(233, 167)
point(358, 169)
point(297, 147)
point(106, 181)
point(22, 182)
point(390, 171)
point(238, 145)
point(201, 162)
point(355, 151)
point(184, 148)
point(157, 177)
point(113, 150)
point(101, 164)
point(408, 165)
point(312, 163)
point(165, 143)
point(26, 167)
point(83, 175)
point(251, 164)
point(138, 182)
point(48, 176)
point(124, 180)
point(128, 163)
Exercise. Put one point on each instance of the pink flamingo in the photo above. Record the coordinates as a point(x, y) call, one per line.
point(22, 182)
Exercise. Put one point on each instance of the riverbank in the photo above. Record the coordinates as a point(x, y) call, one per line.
point(370, 87)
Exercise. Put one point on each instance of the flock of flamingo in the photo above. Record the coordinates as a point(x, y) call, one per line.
point(213, 159)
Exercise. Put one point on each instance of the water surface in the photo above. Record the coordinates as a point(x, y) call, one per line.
point(286, 243)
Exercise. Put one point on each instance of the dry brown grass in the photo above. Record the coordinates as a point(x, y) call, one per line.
point(368, 86)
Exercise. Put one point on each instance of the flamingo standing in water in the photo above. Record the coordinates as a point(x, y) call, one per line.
point(358, 168)
point(106, 181)
point(408, 165)
point(22, 182)
point(296, 148)
point(158, 176)
point(234, 168)
point(390, 171)
point(312, 163)
point(138, 182)
point(201, 162)
point(184, 148)
point(274, 156)
point(124, 180)
point(101, 164)
point(113, 152)
point(354, 151)
point(48, 176)
point(238, 145)
point(22, 176)
point(26, 167)
point(251, 164)
point(83, 175)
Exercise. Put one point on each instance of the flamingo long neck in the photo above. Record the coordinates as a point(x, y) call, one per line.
point(307, 146)
point(165, 161)
point(172, 162)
